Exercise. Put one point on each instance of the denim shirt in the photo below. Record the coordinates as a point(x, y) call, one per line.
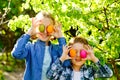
point(33, 53)
point(58, 72)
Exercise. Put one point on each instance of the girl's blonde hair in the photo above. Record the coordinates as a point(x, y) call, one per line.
point(42, 14)
point(46, 15)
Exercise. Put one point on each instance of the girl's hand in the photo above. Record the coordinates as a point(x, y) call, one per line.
point(58, 31)
point(65, 55)
point(33, 30)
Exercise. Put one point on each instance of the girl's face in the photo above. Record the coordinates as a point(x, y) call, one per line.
point(77, 60)
point(44, 35)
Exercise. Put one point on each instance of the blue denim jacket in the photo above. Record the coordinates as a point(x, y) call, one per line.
point(58, 72)
point(33, 53)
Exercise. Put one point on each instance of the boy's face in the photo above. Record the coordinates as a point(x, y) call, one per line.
point(78, 61)
point(44, 35)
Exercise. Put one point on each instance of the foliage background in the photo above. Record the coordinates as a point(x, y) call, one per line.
point(96, 20)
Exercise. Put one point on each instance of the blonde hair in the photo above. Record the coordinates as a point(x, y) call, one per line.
point(43, 14)
point(46, 15)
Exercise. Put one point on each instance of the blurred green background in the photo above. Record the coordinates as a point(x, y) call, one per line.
point(96, 20)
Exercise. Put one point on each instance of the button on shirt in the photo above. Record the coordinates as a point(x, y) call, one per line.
point(46, 63)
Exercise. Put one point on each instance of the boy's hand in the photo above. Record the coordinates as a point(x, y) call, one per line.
point(33, 30)
point(65, 55)
point(90, 54)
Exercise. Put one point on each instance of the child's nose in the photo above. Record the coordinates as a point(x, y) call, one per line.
point(45, 31)
point(78, 55)
point(78, 58)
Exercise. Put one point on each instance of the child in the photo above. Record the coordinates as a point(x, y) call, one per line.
point(78, 70)
point(42, 53)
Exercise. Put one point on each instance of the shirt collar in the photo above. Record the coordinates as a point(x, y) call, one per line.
point(42, 42)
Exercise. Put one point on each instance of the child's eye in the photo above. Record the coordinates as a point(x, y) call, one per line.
point(42, 28)
point(72, 53)
point(50, 29)
point(83, 53)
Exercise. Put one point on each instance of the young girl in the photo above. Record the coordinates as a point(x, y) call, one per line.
point(78, 70)
point(40, 54)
